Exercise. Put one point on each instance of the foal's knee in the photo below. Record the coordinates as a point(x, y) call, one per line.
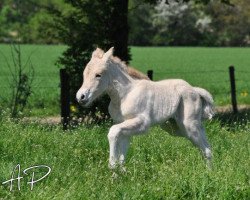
point(113, 133)
point(192, 125)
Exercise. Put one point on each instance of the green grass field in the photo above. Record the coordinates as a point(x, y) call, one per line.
point(158, 166)
point(203, 67)
point(46, 86)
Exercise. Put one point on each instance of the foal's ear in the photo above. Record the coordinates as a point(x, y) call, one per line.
point(108, 54)
point(98, 53)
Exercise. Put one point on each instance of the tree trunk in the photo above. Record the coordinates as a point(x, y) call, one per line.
point(118, 28)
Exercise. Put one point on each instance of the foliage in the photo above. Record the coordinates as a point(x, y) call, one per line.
point(141, 30)
point(196, 1)
point(14, 15)
point(177, 23)
point(170, 23)
point(230, 24)
point(92, 24)
point(29, 21)
point(158, 167)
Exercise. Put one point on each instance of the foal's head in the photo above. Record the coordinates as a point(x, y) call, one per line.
point(95, 77)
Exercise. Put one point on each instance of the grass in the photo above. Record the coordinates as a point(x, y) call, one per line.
point(46, 86)
point(203, 67)
point(158, 166)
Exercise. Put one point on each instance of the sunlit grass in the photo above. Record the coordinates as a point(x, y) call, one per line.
point(158, 166)
point(202, 67)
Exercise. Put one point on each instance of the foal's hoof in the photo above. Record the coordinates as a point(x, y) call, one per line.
point(123, 169)
point(114, 175)
point(112, 166)
point(209, 165)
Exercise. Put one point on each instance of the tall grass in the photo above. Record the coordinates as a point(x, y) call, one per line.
point(158, 166)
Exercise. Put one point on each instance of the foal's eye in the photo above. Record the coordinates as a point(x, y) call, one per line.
point(98, 75)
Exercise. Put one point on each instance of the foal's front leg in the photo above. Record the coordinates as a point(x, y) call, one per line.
point(123, 146)
point(119, 132)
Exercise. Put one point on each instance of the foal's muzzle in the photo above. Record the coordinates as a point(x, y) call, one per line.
point(82, 100)
point(83, 97)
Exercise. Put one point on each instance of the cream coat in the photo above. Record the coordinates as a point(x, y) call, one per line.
point(138, 104)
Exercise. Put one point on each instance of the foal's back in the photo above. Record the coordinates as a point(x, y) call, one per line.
point(157, 100)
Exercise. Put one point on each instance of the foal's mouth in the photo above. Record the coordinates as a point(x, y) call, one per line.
point(84, 103)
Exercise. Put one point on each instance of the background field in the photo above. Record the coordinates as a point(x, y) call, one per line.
point(203, 67)
point(46, 86)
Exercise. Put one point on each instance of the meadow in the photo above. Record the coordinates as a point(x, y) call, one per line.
point(203, 67)
point(158, 166)
point(44, 99)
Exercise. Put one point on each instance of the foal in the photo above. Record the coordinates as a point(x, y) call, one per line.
point(138, 104)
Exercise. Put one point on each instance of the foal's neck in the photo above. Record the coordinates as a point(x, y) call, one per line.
point(121, 83)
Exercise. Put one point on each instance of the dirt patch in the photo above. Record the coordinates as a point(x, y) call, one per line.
point(228, 108)
point(54, 120)
point(45, 120)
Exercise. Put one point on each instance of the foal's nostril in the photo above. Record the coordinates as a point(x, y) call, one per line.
point(82, 97)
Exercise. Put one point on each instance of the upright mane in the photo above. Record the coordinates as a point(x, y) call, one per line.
point(134, 73)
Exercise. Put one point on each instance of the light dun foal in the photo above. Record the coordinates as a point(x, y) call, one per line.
point(138, 104)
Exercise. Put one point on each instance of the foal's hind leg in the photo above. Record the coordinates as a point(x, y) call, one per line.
point(196, 133)
point(190, 123)
point(207, 152)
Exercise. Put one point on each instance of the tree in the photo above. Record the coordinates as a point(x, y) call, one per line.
point(141, 30)
point(29, 21)
point(180, 24)
point(195, 1)
point(14, 15)
point(230, 24)
point(91, 24)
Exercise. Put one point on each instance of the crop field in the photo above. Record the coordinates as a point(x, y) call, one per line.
point(158, 166)
point(203, 67)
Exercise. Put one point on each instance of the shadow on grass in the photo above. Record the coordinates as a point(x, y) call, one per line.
point(232, 120)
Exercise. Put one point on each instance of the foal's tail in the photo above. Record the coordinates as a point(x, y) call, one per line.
point(207, 100)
